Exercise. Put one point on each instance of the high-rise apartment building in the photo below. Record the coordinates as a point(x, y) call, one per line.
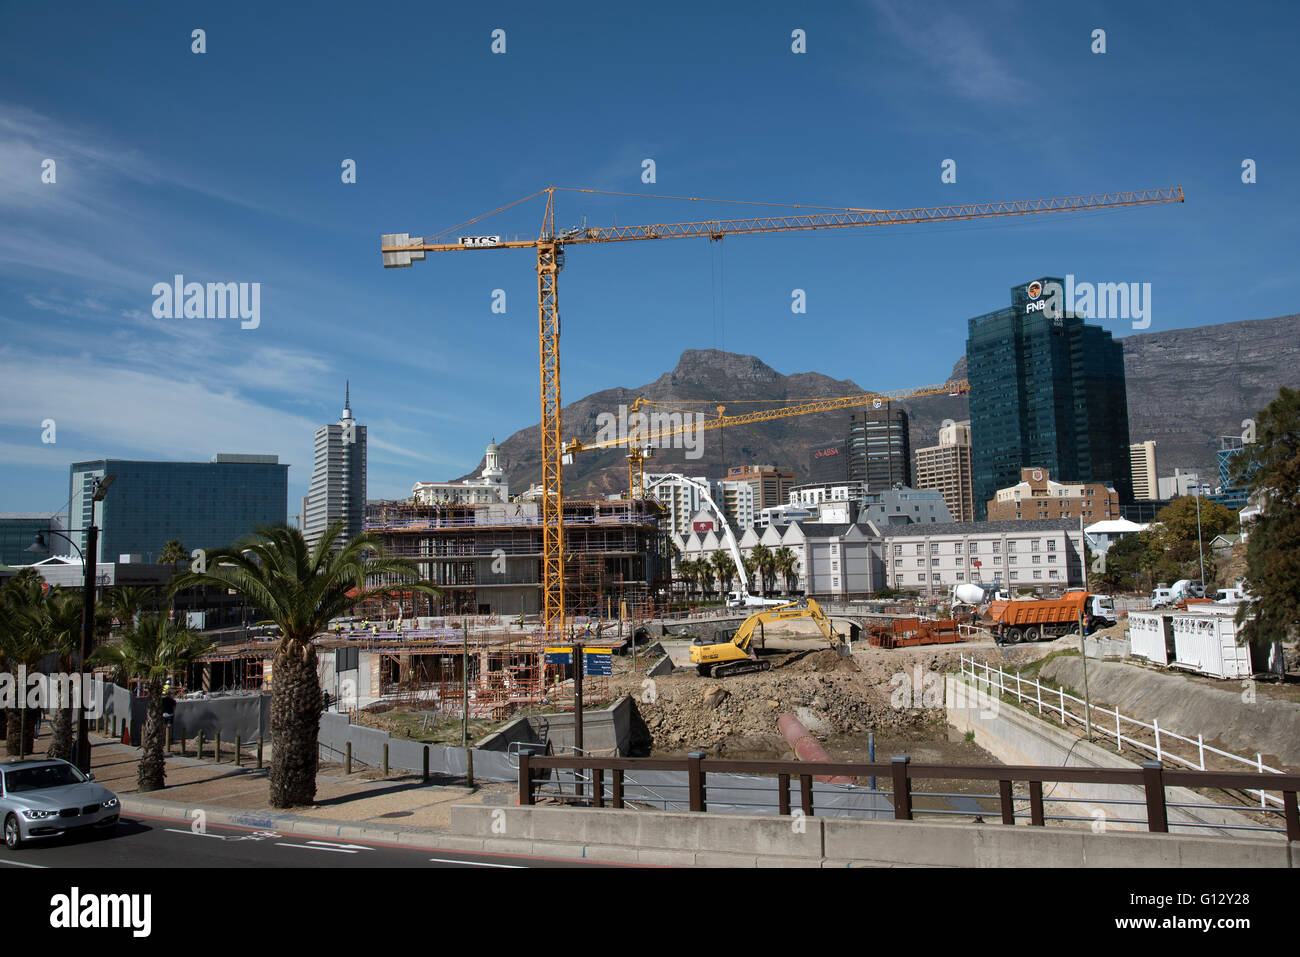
point(338, 479)
point(206, 505)
point(946, 467)
point(880, 449)
point(1146, 483)
point(771, 485)
point(1046, 391)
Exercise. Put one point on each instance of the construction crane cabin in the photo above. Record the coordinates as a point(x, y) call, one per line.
point(401, 250)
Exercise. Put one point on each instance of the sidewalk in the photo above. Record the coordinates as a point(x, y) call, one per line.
point(398, 808)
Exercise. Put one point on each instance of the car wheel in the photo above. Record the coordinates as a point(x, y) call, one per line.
point(13, 836)
point(1014, 636)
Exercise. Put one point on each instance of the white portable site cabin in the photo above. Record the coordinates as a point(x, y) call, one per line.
point(1205, 641)
point(1151, 636)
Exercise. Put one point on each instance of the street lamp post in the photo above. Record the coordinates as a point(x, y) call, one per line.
point(90, 567)
point(1200, 553)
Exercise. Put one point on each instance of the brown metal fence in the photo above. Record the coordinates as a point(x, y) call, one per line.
point(1152, 777)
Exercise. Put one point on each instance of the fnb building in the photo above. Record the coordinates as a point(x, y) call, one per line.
point(1046, 390)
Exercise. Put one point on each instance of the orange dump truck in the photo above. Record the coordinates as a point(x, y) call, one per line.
point(1039, 620)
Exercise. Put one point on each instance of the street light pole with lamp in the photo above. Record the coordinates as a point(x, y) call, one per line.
point(89, 565)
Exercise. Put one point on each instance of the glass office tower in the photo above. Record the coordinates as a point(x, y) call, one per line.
point(1045, 390)
point(206, 505)
point(880, 447)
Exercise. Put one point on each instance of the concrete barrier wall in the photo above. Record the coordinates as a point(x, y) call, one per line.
point(405, 755)
point(721, 840)
point(614, 731)
point(237, 715)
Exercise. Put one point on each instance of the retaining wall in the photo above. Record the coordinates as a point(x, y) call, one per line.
point(1192, 706)
point(723, 840)
point(1016, 737)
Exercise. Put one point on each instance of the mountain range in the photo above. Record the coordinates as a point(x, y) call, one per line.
point(1186, 389)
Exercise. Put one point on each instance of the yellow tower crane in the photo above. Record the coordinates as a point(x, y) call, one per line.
point(401, 249)
point(644, 437)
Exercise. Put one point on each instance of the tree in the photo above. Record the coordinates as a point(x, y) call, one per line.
point(751, 568)
point(1177, 522)
point(126, 602)
point(762, 556)
point(59, 623)
point(173, 553)
point(152, 650)
point(21, 650)
point(686, 574)
point(786, 565)
point(724, 567)
point(302, 588)
point(1271, 466)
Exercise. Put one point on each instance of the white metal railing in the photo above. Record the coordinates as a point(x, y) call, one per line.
point(1029, 691)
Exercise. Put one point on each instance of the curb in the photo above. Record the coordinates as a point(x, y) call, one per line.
point(288, 823)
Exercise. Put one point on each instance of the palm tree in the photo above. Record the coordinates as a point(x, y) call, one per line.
point(60, 632)
point(126, 603)
point(686, 573)
point(173, 553)
point(152, 650)
point(301, 588)
point(21, 649)
point(762, 556)
point(785, 564)
point(751, 567)
point(723, 567)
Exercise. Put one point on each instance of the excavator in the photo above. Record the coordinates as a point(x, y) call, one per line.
point(738, 654)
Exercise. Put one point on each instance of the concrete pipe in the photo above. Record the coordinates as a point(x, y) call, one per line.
point(807, 748)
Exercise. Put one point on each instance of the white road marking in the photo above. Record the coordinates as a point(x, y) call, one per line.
point(355, 847)
point(186, 830)
point(309, 847)
point(448, 860)
point(42, 867)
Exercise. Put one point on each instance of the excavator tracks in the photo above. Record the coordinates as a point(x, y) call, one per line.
point(727, 669)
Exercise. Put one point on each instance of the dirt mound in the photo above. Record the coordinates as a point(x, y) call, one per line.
point(738, 715)
point(820, 661)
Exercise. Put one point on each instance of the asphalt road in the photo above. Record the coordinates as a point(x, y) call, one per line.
point(154, 842)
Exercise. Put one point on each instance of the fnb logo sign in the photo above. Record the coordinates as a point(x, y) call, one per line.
point(1034, 290)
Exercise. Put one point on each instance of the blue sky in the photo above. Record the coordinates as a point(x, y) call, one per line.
point(226, 166)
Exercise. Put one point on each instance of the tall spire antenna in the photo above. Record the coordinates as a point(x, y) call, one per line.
point(347, 394)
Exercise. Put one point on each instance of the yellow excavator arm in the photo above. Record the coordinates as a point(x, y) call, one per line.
point(736, 656)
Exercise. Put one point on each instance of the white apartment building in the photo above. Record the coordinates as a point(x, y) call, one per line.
point(1142, 456)
point(489, 487)
point(1045, 555)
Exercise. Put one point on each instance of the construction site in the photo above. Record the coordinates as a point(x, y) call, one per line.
point(486, 559)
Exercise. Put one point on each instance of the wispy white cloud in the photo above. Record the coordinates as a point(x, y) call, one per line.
point(955, 46)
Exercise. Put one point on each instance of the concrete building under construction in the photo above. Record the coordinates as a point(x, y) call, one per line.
point(487, 558)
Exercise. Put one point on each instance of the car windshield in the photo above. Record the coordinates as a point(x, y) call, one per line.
point(40, 777)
